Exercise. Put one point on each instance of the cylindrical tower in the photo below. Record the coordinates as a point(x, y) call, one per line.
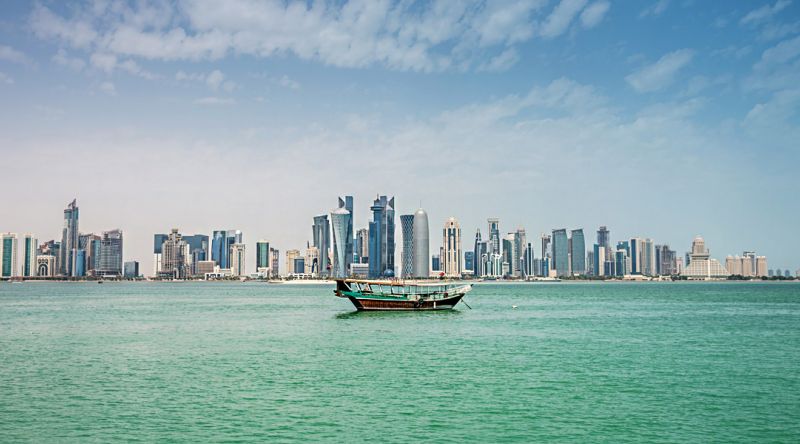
point(422, 256)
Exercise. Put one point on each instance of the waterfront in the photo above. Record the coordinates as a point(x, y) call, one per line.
point(615, 362)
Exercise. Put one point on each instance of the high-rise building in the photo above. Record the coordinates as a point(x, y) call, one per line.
point(8, 255)
point(69, 240)
point(238, 260)
point(604, 237)
point(469, 261)
point(420, 265)
point(598, 259)
point(494, 235)
point(477, 269)
point(347, 239)
point(29, 249)
point(407, 252)
point(362, 246)
point(508, 254)
point(761, 266)
point(528, 268)
point(518, 252)
point(436, 263)
point(262, 256)
point(635, 254)
point(312, 261)
point(451, 245)
point(578, 252)
point(702, 266)
point(158, 242)
point(274, 257)
point(560, 260)
point(174, 257)
point(545, 246)
point(648, 261)
point(131, 270)
point(381, 238)
point(219, 248)
point(621, 262)
point(321, 239)
point(110, 257)
point(291, 256)
point(342, 240)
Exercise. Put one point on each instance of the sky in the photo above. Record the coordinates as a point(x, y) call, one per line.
point(664, 119)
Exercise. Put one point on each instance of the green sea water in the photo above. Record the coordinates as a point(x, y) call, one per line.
point(574, 362)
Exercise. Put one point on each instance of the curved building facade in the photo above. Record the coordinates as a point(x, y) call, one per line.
point(340, 220)
point(421, 245)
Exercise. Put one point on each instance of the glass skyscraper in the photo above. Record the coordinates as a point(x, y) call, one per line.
point(322, 240)
point(381, 238)
point(110, 254)
point(578, 252)
point(342, 241)
point(69, 240)
point(407, 253)
point(262, 255)
point(560, 261)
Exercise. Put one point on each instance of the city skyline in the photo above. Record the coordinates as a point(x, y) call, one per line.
point(561, 254)
point(658, 119)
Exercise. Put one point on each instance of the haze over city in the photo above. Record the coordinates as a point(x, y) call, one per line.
point(662, 119)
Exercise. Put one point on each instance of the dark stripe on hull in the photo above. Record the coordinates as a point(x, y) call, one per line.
point(372, 304)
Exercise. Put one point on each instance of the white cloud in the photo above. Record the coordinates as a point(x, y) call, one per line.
point(215, 80)
point(10, 54)
point(64, 59)
point(5, 78)
point(764, 13)
point(655, 9)
point(661, 73)
point(104, 62)
point(594, 13)
point(214, 101)
point(404, 36)
point(108, 88)
point(286, 82)
point(559, 20)
point(501, 62)
point(778, 68)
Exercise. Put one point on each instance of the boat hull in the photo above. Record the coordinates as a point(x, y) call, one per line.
point(366, 304)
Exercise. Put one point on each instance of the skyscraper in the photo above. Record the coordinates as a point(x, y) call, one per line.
point(219, 248)
point(407, 252)
point(238, 260)
point(362, 245)
point(560, 260)
point(347, 241)
point(321, 231)
point(635, 255)
point(29, 251)
point(420, 267)
point(469, 260)
point(604, 237)
point(69, 240)
point(274, 258)
point(262, 256)
point(520, 244)
point(342, 241)
point(494, 235)
point(451, 246)
point(381, 238)
point(174, 260)
point(110, 257)
point(578, 252)
point(702, 266)
point(158, 242)
point(477, 269)
point(8, 255)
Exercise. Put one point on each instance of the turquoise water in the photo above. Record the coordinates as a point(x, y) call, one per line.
point(672, 362)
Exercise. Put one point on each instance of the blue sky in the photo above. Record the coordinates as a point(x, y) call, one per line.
point(662, 119)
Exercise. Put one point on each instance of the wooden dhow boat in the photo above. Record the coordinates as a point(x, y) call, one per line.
point(401, 295)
